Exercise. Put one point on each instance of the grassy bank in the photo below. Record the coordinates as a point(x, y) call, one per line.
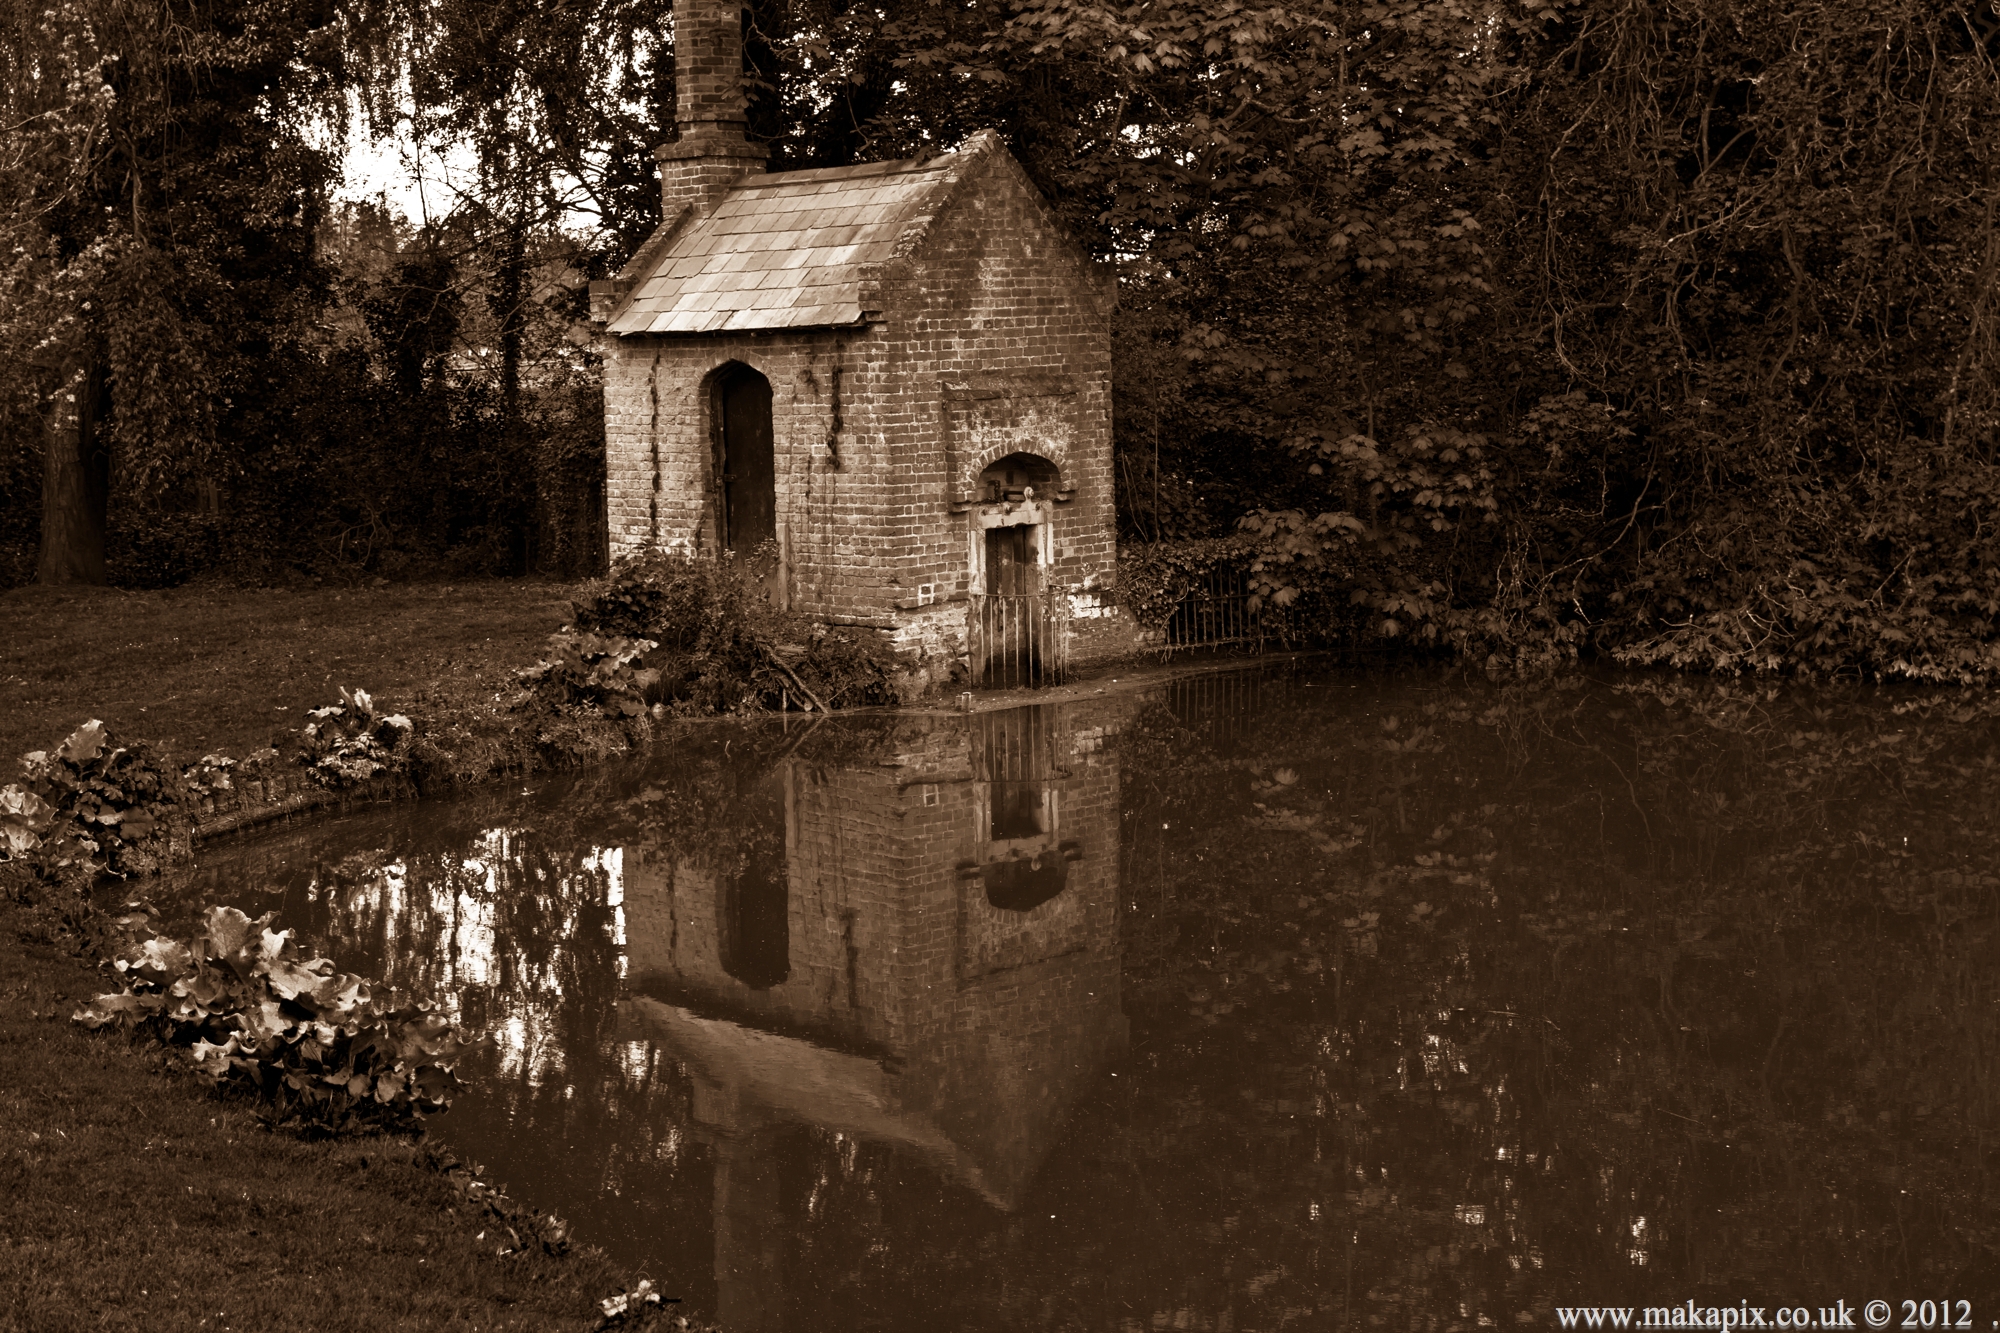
point(138, 1198)
point(198, 670)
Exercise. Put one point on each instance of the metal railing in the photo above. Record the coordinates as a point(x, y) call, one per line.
point(1215, 611)
point(1019, 640)
point(1013, 745)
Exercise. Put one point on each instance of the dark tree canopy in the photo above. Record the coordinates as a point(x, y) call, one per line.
point(1527, 328)
point(159, 242)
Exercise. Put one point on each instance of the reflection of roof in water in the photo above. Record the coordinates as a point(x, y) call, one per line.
point(665, 990)
point(802, 1081)
point(982, 1097)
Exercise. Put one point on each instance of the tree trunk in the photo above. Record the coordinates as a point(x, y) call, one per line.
point(511, 288)
point(511, 298)
point(76, 478)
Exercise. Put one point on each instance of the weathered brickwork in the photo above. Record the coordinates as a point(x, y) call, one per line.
point(696, 173)
point(662, 488)
point(987, 335)
point(708, 69)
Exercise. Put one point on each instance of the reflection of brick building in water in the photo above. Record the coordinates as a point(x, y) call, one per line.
point(928, 958)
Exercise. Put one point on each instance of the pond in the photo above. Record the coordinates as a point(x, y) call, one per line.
point(1252, 1000)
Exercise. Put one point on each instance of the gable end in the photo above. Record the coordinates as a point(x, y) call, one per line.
point(983, 150)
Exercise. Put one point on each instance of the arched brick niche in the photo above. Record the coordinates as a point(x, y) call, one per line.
point(990, 418)
point(1009, 476)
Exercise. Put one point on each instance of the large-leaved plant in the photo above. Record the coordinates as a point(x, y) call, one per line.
point(320, 1048)
point(353, 740)
point(92, 805)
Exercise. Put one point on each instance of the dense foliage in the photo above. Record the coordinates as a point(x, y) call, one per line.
point(92, 807)
point(318, 1048)
point(1529, 328)
point(203, 363)
point(1153, 577)
point(1540, 327)
point(702, 636)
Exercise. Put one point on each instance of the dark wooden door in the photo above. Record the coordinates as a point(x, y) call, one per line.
point(749, 464)
point(755, 883)
point(1010, 562)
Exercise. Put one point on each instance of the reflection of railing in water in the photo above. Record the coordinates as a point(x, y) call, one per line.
point(1012, 745)
point(1020, 640)
point(1215, 611)
point(1218, 708)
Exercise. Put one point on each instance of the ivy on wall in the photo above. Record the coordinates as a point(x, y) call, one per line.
point(1153, 577)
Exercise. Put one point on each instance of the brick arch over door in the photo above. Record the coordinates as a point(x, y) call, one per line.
point(1013, 471)
point(975, 465)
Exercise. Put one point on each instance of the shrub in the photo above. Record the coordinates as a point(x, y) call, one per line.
point(91, 806)
point(592, 670)
point(352, 741)
point(319, 1050)
point(715, 644)
point(1153, 577)
point(1293, 603)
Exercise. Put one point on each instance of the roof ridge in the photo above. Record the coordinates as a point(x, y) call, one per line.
point(975, 150)
point(856, 171)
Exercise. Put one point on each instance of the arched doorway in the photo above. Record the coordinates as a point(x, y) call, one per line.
point(745, 460)
point(756, 924)
point(1015, 637)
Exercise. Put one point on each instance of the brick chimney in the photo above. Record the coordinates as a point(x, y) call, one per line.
point(711, 150)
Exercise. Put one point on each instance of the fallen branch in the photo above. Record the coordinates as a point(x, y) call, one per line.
point(771, 654)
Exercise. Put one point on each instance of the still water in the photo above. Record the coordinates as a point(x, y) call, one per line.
point(1260, 1000)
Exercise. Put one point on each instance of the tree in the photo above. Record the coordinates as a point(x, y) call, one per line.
point(161, 241)
point(1543, 326)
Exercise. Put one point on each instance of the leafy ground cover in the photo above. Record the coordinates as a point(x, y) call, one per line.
point(197, 670)
point(138, 1198)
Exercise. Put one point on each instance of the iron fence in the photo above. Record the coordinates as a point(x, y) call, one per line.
point(1020, 640)
point(1215, 611)
point(1013, 745)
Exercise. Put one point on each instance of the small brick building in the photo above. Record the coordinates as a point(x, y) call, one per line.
point(890, 382)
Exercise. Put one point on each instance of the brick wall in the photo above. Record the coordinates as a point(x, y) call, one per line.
point(995, 339)
point(1008, 308)
point(1000, 342)
point(834, 496)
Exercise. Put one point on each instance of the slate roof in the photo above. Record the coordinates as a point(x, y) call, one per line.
point(787, 251)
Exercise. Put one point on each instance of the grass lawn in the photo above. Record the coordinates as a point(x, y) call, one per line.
point(137, 1198)
point(198, 670)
